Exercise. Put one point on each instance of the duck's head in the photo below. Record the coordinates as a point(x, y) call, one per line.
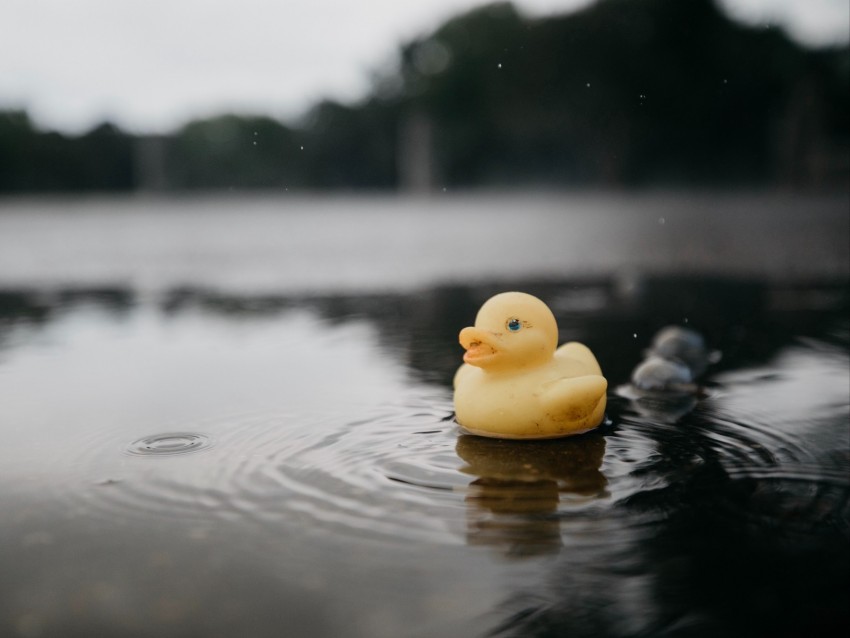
point(512, 330)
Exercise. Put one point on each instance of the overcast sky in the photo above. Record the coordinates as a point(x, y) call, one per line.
point(151, 65)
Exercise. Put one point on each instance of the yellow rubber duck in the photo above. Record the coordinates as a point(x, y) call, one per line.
point(516, 383)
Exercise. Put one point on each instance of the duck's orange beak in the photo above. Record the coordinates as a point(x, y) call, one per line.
point(479, 345)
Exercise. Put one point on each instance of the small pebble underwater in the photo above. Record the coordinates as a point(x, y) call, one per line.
point(198, 463)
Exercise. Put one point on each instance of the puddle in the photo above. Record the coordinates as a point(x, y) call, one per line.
point(306, 449)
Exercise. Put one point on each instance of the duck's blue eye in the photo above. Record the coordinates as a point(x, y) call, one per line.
point(514, 325)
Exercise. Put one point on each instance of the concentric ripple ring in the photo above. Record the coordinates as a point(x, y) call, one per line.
point(169, 443)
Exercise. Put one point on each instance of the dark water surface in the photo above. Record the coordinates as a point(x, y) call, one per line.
point(181, 460)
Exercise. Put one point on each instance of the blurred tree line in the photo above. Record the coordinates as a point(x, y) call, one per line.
point(622, 93)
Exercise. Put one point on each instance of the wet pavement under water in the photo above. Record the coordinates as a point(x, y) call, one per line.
point(202, 463)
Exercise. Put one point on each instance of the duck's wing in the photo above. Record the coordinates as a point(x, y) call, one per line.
point(581, 353)
point(575, 398)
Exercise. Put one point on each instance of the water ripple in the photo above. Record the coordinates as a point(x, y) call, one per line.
point(169, 443)
point(397, 472)
point(370, 476)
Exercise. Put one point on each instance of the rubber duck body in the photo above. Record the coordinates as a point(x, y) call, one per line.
point(516, 383)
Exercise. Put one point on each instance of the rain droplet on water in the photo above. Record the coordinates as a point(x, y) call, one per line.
point(169, 443)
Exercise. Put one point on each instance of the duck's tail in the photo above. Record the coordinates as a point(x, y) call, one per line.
point(581, 353)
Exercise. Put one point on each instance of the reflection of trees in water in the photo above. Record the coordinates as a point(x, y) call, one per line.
point(37, 309)
point(749, 321)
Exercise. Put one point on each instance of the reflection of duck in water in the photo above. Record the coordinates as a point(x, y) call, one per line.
point(518, 485)
point(516, 384)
